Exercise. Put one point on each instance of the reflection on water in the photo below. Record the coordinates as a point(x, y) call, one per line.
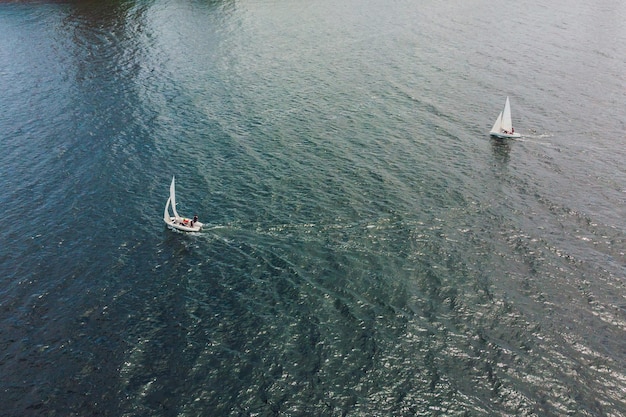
point(501, 150)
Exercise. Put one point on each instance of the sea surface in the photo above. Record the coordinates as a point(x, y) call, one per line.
point(368, 249)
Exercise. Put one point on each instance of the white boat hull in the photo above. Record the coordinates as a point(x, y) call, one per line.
point(503, 135)
point(183, 224)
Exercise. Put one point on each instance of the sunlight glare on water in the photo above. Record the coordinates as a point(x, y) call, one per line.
point(368, 249)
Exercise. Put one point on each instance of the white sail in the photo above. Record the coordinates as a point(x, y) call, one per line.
point(166, 214)
point(497, 125)
point(173, 198)
point(507, 123)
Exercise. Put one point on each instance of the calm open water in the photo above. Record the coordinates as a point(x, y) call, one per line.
point(369, 250)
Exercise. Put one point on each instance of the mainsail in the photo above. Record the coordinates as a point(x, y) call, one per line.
point(507, 124)
point(173, 198)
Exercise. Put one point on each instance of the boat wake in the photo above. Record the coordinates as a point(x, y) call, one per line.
point(536, 139)
point(536, 135)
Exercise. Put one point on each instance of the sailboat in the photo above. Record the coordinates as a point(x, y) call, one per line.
point(176, 221)
point(503, 127)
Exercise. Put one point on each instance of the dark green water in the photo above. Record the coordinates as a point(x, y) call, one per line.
point(369, 250)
